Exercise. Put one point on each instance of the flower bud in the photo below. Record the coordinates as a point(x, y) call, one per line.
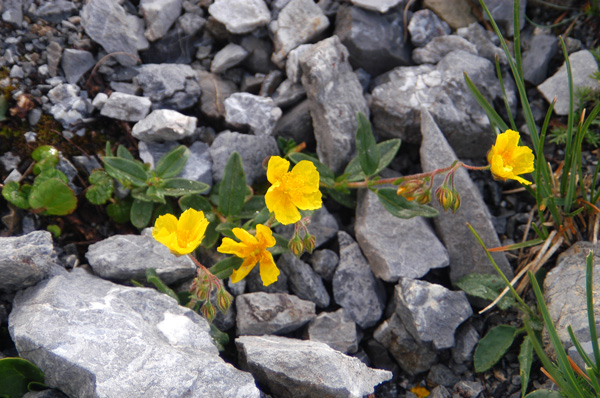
point(296, 246)
point(208, 311)
point(203, 291)
point(456, 203)
point(409, 189)
point(223, 300)
point(444, 195)
point(309, 243)
point(423, 196)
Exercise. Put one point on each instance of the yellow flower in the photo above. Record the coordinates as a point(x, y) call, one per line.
point(253, 250)
point(420, 392)
point(181, 236)
point(292, 190)
point(508, 159)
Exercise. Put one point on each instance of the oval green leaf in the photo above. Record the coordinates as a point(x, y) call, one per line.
point(486, 286)
point(101, 189)
point(400, 207)
point(172, 163)
point(15, 376)
point(141, 213)
point(126, 170)
point(232, 190)
point(252, 207)
point(387, 151)
point(120, 211)
point(16, 195)
point(124, 153)
point(368, 153)
point(225, 267)
point(53, 197)
point(196, 202)
point(183, 186)
point(493, 346)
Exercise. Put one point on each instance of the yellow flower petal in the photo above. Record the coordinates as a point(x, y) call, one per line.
point(182, 235)
point(229, 246)
point(240, 273)
point(282, 206)
point(507, 159)
point(265, 236)
point(268, 269)
point(244, 236)
point(277, 168)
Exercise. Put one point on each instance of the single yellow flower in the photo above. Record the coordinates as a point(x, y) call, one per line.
point(508, 159)
point(183, 235)
point(253, 250)
point(292, 190)
point(420, 392)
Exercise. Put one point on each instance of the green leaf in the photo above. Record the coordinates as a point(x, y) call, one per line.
point(486, 286)
point(400, 207)
point(15, 376)
point(18, 196)
point(124, 153)
point(226, 228)
point(173, 162)
point(232, 191)
point(211, 236)
point(141, 213)
point(120, 211)
point(252, 207)
point(54, 230)
point(196, 202)
point(545, 394)
point(101, 189)
point(493, 346)
point(126, 170)
point(281, 245)
point(148, 194)
point(525, 361)
point(152, 277)
point(183, 186)
point(225, 267)
point(3, 108)
point(326, 176)
point(387, 150)
point(220, 339)
point(346, 200)
point(368, 153)
point(49, 174)
point(46, 157)
point(53, 197)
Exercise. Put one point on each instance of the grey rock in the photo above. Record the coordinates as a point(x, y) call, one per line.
point(190, 23)
point(175, 47)
point(113, 328)
point(299, 22)
point(381, 6)
point(214, 91)
point(293, 70)
point(51, 393)
point(324, 262)
point(281, 364)
point(16, 72)
point(542, 48)
point(471, 389)
point(254, 283)
point(86, 162)
point(583, 65)
point(159, 15)
point(322, 225)
point(304, 282)
point(252, 148)
point(336, 329)
point(259, 54)
point(440, 392)
point(68, 104)
point(335, 97)
point(127, 88)
point(412, 355)
point(54, 51)
point(12, 12)
point(466, 340)
point(75, 63)
point(430, 312)
point(240, 16)
point(502, 12)
point(164, 125)
point(271, 313)
point(396, 103)
point(439, 47)
point(10, 161)
point(375, 42)
point(439, 374)
point(564, 292)
point(457, 13)
point(296, 123)
point(396, 248)
point(486, 48)
point(466, 255)
point(289, 93)
point(197, 168)
point(354, 286)
point(56, 10)
point(25, 260)
point(99, 100)
point(169, 86)
point(260, 114)
point(228, 57)
point(424, 25)
point(121, 258)
point(131, 108)
point(108, 24)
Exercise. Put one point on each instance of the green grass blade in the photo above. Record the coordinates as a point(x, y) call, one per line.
point(504, 97)
point(589, 276)
point(489, 110)
point(568, 146)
